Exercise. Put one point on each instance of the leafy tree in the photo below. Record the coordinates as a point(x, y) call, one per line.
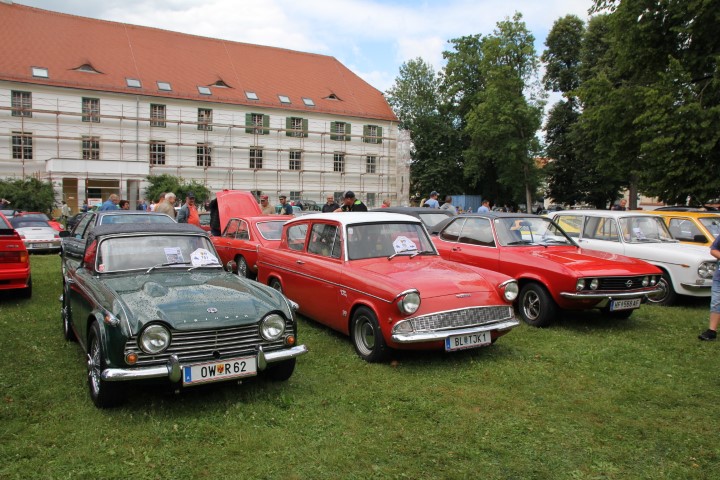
point(169, 183)
point(562, 56)
point(29, 194)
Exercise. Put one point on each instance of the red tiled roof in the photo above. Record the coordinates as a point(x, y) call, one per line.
point(33, 37)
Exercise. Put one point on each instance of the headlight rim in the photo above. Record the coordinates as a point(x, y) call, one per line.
point(404, 305)
point(510, 287)
point(263, 324)
point(149, 328)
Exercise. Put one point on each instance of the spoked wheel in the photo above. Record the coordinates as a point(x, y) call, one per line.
point(367, 337)
point(66, 316)
point(537, 308)
point(667, 296)
point(103, 394)
point(242, 266)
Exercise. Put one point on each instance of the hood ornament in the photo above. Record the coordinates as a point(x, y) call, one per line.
point(212, 310)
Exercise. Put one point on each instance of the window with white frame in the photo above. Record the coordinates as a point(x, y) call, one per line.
point(340, 131)
point(157, 115)
point(257, 123)
point(91, 110)
point(295, 160)
point(339, 162)
point(90, 148)
point(205, 119)
point(296, 127)
point(295, 195)
point(372, 134)
point(21, 103)
point(204, 155)
point(370, 163)
point(256, 158)
point(22, 146)
point(157, 152)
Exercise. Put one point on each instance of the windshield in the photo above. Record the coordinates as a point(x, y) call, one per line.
point(20, 222)
point(712, 224)
point(271, 230)
point(143, 252)
point(514, 231)
point(387, 239)
point(640, 229)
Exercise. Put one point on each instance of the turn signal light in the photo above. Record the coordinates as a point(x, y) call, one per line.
point(131, 358)
point(290, 340)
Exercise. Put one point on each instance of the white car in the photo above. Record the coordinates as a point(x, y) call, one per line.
point(687, 269)
point(37, 235)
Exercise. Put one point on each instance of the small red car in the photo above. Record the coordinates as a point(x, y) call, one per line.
point(552, 270)
point(378, 278)
point(241, 239)
point(14, 261)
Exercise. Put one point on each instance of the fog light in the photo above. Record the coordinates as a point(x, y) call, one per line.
point(580, 284)
point(645, 281)
point(594, 284)
point(653, 280)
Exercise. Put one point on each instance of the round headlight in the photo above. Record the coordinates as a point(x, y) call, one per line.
point(154, 339)
point(511, 291)
point(594, 284)
point(580, 284)
point(706, 269)
point(645, 281)
point(409, 303)
point(272, 327)
point(653, 280)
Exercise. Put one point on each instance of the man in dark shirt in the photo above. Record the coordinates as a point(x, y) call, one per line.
point(214, 218)
point(351, 204)
point(285, 207)
point(331, 205)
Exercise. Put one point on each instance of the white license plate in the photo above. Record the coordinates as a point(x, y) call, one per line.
point(39, 245)
point(471, 340)
point(624, 304)
point(219, 370)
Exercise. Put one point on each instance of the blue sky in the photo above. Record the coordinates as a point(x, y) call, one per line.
point(372, 38)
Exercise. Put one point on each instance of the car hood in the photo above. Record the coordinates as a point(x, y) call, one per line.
point(192, 300)
point(590, 262)
point(33, 233)
point(431, 276)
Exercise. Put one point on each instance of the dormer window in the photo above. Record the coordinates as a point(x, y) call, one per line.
point(308, 102)
point(164, 86)
point(133, 83)
point(40, 72)
point(87, 68)
point(204, 90)
point(220, 84)
point(284, 99)
point(332, 96)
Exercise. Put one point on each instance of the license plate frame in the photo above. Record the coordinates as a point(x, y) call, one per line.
point(218, 370)
point(453, 343)
point(625, 304)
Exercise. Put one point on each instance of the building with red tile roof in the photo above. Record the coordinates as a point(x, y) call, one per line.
point(97, 106)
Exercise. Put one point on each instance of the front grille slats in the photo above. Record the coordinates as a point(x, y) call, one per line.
point(621, 283)
point(468, 317)
point(202, 345)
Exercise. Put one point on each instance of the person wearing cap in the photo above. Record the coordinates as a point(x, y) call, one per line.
point(432, 202)
point(265, 206)
point(285, 207)
point(351, 204)
point(188, 213)
point(331, 205)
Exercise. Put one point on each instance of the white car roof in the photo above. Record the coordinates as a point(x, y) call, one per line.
point(351, 218)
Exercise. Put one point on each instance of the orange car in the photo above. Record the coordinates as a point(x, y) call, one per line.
point(697, 228)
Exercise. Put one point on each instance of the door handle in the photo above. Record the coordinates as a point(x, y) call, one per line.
point(299, 262)
point(456, 249)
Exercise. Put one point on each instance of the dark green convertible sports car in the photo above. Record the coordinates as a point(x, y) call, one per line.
point(151, 301)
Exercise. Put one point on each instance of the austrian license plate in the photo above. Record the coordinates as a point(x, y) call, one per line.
point(471, 340)
point(39, 245)
point(624, 304)
point(219, 370)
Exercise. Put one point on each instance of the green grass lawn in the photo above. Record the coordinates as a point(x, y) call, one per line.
point(588, 398)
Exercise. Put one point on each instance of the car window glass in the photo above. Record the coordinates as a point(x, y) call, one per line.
point(270, 230)
point(477, 231)
point(431, 219)
point(712, 225)
point(142, 252)
point(606, 229)
point(90, 228)
point(683, 229)
point(80, 227)
point(242, 232)
point(451, 232)
point(231, 228)
point(322, 239)
point(296, 236)
point(4, 224)
point(570, 224)
point(643, 229)
point(386, 239)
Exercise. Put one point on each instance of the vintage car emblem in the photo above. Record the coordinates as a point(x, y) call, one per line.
point(629, 283)
point(462, 295)
point(212, 310)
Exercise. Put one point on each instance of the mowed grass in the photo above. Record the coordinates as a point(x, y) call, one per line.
point(588, 398)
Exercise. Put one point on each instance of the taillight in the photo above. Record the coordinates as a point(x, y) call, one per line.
point(13, 257)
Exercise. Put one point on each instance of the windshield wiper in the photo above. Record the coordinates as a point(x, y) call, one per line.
point(165, 265)
point(404, 252)
point(213, 265)
point(423, 252)
point(520, 242)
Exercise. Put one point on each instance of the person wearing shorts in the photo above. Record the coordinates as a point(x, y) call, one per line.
point(711, 332)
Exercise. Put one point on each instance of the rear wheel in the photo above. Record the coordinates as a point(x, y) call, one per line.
point(367, 337)
point(242, 267)
point(66, 315)
point(281, 371)
point(103, 393)
point(667, 296)
point(275, 284)
point(537, 307)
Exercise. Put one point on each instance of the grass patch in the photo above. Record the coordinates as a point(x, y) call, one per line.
point(588, 398)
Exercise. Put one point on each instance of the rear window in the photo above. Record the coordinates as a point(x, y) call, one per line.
point(4, 223)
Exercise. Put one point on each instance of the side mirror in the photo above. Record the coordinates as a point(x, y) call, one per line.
point(700, 238)
point(64, 233)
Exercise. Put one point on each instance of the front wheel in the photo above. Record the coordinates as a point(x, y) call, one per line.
point(103, 394)
point(366, 336)
point(667, 296)
point(242, 267)
point(281, 371)
point(537, 307)
point(276, 285)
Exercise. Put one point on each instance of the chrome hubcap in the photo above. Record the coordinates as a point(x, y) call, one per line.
point(94, 366)
point(365, 336)
point(531, 305)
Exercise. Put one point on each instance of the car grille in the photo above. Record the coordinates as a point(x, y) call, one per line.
point(201, 345)
point(621, 283)
point(467, 317)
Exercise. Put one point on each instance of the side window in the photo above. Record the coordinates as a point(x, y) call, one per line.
point(601, 228)
point(243, 232)
point(683, 229)
point(451, 233)
point(296, 236)
point(477, 231)
point(570, 224)
point(323, 239)
point(232, 228)
point(85, 226)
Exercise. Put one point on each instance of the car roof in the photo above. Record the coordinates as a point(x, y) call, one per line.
point(144, 228)
point(604, 213)
point(351, 218)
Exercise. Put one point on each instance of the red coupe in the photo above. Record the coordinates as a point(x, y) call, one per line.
point(14, 261)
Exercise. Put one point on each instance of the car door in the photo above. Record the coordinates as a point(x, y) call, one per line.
point(475, 243)
point(601, 233)
point(224, 243)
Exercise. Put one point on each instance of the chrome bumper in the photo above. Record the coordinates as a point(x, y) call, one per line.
point(443, 334)
point(608, 296)
point(172, 370)
point(695, 286)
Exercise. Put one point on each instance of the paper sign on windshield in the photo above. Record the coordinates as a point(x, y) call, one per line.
point(174, 255)
point(203, 256)
point(404, 244)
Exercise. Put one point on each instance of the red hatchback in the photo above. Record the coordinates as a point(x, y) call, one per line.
point(552, 270)
point(14, 261)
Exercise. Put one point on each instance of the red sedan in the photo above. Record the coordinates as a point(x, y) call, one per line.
point(377, 277)
point(241, 239)
point(553, 272)
point(14, 261)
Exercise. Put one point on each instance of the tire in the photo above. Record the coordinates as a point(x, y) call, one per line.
point(668, 296)
point(537, 307)
point(275, 284)
point(242, 267)
point(103, 394)
point(66, 316)
point(27, 291)
point(281, 371)
point(367, 337)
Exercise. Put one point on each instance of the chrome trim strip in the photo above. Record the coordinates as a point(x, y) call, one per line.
point(692, 286)
point(608, 295)
point(442, 335)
